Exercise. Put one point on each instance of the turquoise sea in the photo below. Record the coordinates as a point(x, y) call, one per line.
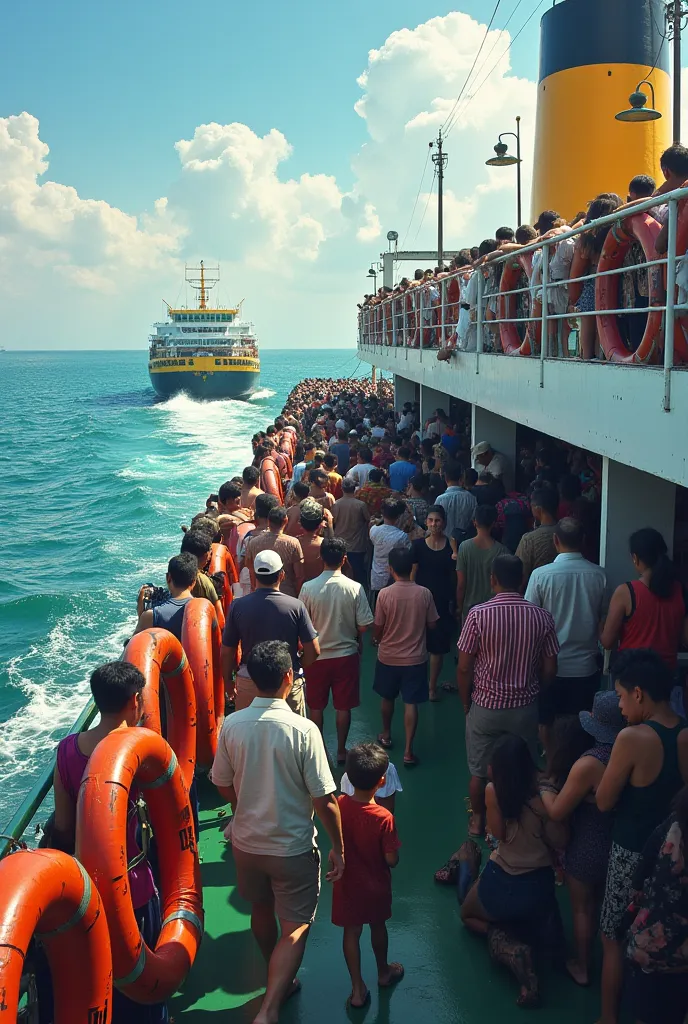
point(96, 478)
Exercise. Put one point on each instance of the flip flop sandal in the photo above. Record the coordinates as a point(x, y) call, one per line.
point(358, 1006)
point(449, 687)
point(470, 857)
point(412, 763)
point(448, 873)
point(385, 744)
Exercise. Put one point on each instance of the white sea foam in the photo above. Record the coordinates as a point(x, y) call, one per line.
point(51, 706)
point(219, 431)
point(129, 473)
point(261, 393)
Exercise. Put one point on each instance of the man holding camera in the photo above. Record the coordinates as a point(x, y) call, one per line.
point(182, 571)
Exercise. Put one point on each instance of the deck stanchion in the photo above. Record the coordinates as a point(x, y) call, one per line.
point(545, 323)
point(670, 313)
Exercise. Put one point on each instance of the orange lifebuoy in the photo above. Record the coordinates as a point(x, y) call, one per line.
point(157, 653)
point(221, 561)
point(512, 275)
point(201, 643)
point(122, 757)
point(270, 477)
point(49, 894)
point(644, 229)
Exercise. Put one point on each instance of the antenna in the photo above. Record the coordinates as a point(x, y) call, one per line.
point(203, 280)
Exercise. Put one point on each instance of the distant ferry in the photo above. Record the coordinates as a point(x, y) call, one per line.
point(204, 352)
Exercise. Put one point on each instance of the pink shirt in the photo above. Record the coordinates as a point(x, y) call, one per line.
point(404, 610)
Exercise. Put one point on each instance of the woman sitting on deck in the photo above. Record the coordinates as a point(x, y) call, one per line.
point(515, 895)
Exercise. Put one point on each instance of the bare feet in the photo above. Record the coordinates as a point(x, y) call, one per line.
point(393, 974)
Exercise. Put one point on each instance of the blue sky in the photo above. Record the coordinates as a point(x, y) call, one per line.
point(281, 140)
point(106, 78)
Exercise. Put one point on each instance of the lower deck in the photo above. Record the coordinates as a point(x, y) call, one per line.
point(449, 977)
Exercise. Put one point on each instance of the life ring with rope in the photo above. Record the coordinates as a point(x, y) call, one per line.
point(141, 756)
point(159, 655)
point(48, 894)
point(512, 277)
point(201, 639)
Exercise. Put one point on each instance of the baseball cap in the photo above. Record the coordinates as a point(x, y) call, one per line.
point(267, 563)
point(310, 511)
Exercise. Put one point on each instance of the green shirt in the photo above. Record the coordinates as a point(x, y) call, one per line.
point(476, 565)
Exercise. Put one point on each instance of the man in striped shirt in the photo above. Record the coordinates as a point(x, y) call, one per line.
point(507, 650)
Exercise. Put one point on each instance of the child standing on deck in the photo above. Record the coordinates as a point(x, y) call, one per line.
point(364, 893)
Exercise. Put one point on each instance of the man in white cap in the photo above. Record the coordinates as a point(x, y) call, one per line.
point(267, 614)
point(487, 460)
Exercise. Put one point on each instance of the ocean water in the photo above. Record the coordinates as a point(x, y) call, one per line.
point(96, 478)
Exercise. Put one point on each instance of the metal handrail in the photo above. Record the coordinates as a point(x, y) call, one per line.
point(21, 819)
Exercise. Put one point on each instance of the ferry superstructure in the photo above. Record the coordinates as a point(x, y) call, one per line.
point(204, 352)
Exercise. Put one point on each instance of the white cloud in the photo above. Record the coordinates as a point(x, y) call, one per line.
point(296, 248)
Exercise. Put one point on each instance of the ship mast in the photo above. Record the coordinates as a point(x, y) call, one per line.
point(202, 280)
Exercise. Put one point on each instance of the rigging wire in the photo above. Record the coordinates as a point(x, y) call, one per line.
point(445, 127)
point(432, 186)
point(496, 64)
point(413, 211)
point(488, 55)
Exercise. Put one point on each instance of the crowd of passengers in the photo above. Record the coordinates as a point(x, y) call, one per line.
point(434, 545)
point(569, 260)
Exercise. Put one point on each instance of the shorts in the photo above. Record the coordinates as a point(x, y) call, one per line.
point(485, 726)
point(567, 695)
point(246, 691)
point(618, 890)
point(411, 681)
point(439, 639)
point(341, 675)
point(656, 997)
point(293, 882)
point(512, 898)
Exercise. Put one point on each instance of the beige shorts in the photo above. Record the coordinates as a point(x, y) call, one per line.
point(246, 691)
point(486, 726)
point(292, 882)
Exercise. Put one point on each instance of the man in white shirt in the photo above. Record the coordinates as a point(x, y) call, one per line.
point(384, 538)
point(359, 472)
point(487, 460)
point(572, 590)
point(272, 768)
point(340, 612)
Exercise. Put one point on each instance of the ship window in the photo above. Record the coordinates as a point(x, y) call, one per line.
point(218, 362)
point(191, 362)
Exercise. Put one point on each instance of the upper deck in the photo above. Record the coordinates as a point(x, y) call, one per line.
point(632, 411)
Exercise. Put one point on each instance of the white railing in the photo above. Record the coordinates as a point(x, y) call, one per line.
point(426, 315)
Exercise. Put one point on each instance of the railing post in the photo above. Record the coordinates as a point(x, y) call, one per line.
point(479, 319)
point(394, 322)
point(443, 301)
point(419, 319)
point(670, 312)
point(544, 339)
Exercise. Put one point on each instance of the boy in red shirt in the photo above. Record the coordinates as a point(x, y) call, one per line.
point(364, 893)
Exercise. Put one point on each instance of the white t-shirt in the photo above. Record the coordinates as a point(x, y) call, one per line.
point(392, 784)
point(359, 474)
point(384, 538)
point(377, 432)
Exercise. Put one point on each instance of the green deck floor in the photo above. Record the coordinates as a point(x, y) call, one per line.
point(449, 977)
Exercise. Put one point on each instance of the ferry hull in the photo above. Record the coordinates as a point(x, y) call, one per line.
point(204, 384)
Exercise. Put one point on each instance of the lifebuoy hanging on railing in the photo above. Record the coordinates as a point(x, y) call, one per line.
point(201, 642)
point(49, 894)
point(140, 756)
point(512, 277)
point(158, 654)
point(644, 229)
point(221, 561)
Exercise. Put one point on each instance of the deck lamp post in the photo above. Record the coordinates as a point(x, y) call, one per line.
point(638, 110)
point(502, 159)
point(373, 273)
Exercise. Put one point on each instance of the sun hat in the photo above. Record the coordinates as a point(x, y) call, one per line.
point(606, 721)
point(480, 448)
point(267, 563)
